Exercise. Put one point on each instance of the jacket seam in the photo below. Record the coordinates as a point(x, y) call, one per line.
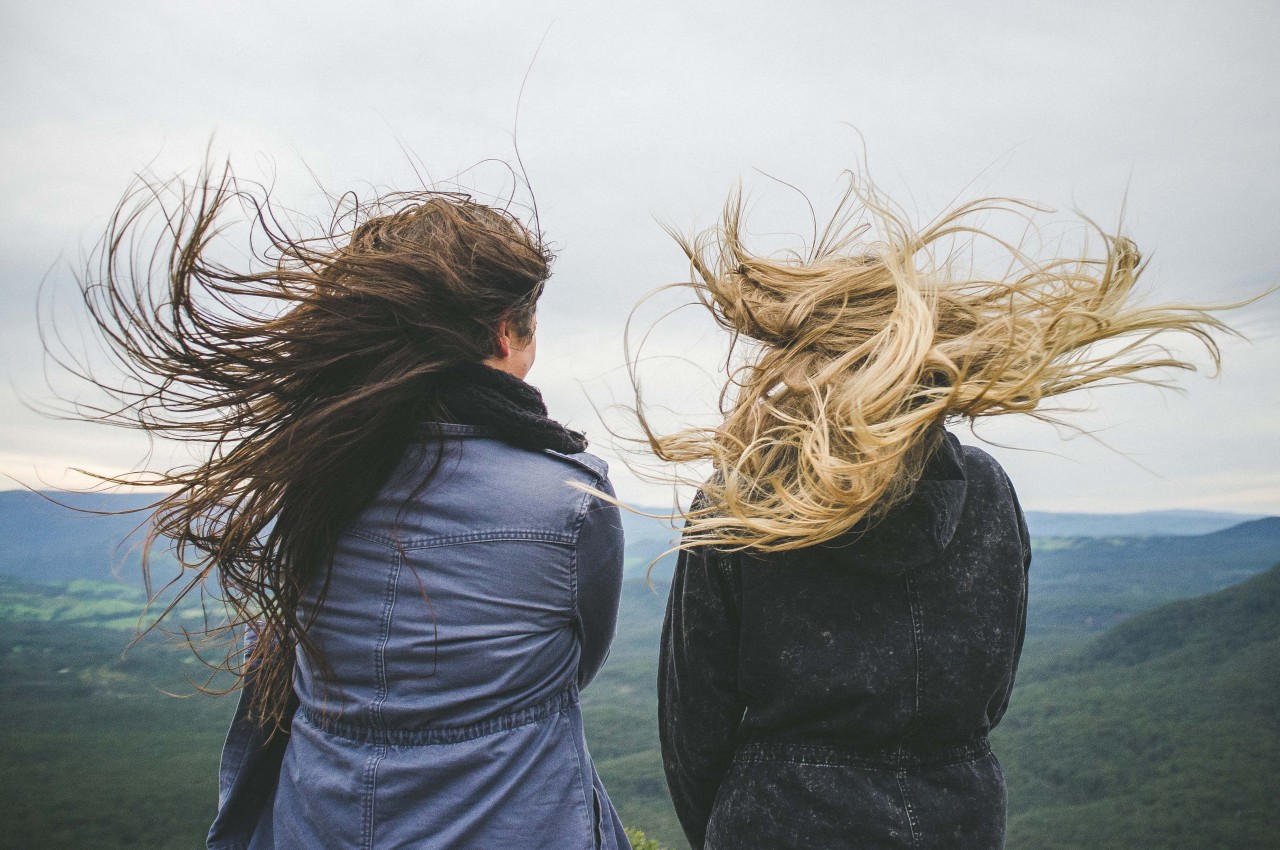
point(446, 735)
point(384, 637)
point(579, 521)
point(577, 756)
point(867, 765)
point(369, 801)
point(853, 762)
point(898, 760)
point(900, 777)
point(375, 709)
point(917, 639)
point(523, 534)
point(599, 476)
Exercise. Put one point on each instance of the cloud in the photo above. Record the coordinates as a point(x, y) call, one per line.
point(643, 113)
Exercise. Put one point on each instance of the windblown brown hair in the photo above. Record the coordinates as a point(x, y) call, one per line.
point(303, 378)
point(858, 348)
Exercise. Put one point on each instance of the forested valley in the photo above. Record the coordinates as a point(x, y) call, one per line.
point(1145, 714)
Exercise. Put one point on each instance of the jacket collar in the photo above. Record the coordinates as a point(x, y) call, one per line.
point(915, 532)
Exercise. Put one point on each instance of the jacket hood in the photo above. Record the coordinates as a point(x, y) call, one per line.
point(915, 532)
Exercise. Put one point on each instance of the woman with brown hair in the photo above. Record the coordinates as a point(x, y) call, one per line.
point(849, 603)
point(387, 508)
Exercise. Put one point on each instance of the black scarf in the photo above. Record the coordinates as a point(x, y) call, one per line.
point(475, 394)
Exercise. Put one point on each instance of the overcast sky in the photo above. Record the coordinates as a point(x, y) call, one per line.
point(650, 113)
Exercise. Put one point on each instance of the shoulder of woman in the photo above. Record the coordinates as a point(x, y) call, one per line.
point(975, 457)
point(596, 468)
point(981, 467)
point(979, 461)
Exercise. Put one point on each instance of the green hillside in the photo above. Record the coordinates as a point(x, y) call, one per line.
point(92, 754)
point(44, 541)
point(1163, 733)
point(1083, 586)
point(1153, 733)
point(620, 712)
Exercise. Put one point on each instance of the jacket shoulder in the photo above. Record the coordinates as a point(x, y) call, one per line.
point(980, 466)
point(595, 467)
point(986, 475)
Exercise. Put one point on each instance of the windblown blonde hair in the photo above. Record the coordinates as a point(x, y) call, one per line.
point(865, 346)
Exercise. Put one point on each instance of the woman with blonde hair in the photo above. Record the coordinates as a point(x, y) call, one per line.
point(382, 503)
point(849, 602)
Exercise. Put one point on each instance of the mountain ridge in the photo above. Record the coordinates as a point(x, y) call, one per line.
point(1113, 733)
point(1159, 734)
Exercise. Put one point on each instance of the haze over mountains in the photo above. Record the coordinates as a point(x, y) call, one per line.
point(46, 542)
point(1142, 524)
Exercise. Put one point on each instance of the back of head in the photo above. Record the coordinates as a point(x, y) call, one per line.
point(441, 268)
point(305, 375)
point(858, 349)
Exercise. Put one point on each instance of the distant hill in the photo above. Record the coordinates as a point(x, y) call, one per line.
point(1088, 585)
point(1080, 585)
point(648, 537)
point(1147, 524)
point(1161, 734)
point(98, 537)
point(1089, 701)
point(42, 541)
point(1049, 524)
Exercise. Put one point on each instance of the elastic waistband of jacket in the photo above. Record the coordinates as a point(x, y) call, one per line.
point(903, 757)
point(367, 734)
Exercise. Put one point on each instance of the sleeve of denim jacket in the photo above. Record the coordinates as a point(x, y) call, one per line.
point(699, 704)
point(250, 764)
point(598, 564)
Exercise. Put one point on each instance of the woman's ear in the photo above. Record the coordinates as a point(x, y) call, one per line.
point(504, 339)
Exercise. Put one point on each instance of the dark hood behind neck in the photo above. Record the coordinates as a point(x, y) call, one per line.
point(915, 532)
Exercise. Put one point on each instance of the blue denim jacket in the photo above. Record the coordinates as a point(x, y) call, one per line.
point(458, 627)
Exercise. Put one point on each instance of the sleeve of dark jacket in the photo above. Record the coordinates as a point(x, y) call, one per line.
point(700, 706)
point(1024, 537)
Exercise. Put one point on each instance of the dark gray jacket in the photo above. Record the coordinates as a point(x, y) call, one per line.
point(840, 696)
